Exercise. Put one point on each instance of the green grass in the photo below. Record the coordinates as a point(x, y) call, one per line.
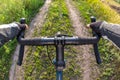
point(117, 1)
point(37, 64)
point(110, 67)
point(11, 11)
point(5, 59)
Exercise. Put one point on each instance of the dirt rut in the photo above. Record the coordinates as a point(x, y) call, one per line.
point(85, 57)
point(17, 72)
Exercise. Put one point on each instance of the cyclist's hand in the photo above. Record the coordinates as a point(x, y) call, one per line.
point(95, 26)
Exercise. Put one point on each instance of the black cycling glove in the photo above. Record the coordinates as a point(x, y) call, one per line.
point(96, 27)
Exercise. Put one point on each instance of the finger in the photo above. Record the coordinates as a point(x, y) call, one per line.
point(88, 26)
point(26, 26)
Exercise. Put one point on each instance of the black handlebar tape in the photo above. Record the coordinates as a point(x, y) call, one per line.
point(95, 46)
point(22, 20)
point(21, 51)
point(21, 54)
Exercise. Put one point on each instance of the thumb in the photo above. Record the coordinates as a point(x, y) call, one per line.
point(88, 26)
point(26, 26)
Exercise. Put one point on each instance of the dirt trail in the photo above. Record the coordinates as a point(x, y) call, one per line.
point(16, 72)
point(85, 57)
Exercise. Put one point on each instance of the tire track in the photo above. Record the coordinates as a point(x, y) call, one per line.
point(17, 72)
point(84, 56)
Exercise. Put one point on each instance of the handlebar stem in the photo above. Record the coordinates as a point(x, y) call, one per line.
point(59, 44)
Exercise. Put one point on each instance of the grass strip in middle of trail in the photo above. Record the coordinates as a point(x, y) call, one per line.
point(37, 64)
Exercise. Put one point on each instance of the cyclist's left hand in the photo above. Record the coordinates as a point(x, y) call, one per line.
point(23, 26)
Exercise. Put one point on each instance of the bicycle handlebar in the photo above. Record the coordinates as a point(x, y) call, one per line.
point(95, 46)
point(21, 50)
point(58, 40)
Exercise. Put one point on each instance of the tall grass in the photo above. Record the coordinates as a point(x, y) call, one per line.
point(10, 11)
point(117, 1)
point(110, 68)
point(32, 6)
point(103, 11)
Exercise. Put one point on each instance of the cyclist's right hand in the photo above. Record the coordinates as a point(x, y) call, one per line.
point(95, 26)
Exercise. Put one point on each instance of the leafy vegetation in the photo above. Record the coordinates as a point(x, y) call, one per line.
point(117, 1)
point(110, 55)
point(37, 64)
point(10, 11)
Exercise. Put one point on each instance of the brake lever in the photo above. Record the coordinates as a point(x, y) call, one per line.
point(21, 50)
point(95, 46)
